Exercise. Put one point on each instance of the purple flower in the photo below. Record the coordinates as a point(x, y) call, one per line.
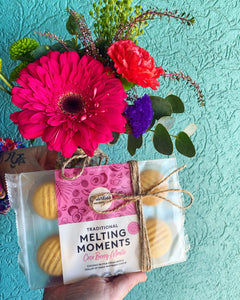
point(139, 115)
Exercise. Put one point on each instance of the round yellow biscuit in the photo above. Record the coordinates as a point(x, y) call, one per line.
point(148, 179)
point(44, 200)
point(49, 256)
point(159, 236)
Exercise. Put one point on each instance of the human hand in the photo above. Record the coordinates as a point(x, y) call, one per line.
point(26, 160)
point(96, 288)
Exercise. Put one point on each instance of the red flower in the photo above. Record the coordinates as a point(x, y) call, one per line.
point(135, 64)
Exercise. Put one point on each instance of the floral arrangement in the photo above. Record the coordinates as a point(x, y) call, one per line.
point(82, 92)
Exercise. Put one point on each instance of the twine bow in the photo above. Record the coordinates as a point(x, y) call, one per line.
point(146, 261)
point(80, 154)
point(139, 196)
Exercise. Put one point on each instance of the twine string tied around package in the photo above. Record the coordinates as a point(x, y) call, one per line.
point(137, 197)
point(80, 154)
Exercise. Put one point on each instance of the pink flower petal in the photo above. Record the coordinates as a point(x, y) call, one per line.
point(59, 77)
point(32, 127)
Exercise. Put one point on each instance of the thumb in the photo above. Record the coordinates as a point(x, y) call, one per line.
point(121, 285)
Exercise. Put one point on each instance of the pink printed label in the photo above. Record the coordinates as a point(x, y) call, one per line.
point(73, 195)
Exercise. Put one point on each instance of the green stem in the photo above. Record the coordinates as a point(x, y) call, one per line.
point(76, 41)
point(173, 136)
point(6, 80)
point(5, 90)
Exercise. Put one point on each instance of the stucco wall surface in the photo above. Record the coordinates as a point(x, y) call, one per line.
point(209, 51)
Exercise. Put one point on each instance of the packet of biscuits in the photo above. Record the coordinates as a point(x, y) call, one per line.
point(94, 225)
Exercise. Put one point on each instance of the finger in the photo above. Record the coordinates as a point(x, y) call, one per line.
point(121, 285)
point(91, 288)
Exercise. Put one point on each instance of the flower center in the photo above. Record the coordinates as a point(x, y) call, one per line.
point(72, 103)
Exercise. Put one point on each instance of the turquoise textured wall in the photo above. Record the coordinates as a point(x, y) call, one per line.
point(209, 51)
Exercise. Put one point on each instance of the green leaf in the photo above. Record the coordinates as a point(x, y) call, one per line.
point(126, 84)
point(59, 47)
point(184, 145)
point(176, 103)
point(162, 140)
point(26, 57)
point(72, 26)
point(161, 107)
point(134, 144)
point(116, 136)
point(40, 51)
point(15, 73)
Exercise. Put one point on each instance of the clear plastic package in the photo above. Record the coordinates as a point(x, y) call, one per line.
point(94, 244)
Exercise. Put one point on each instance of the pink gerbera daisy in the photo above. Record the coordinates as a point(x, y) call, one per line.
point(70, 102)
